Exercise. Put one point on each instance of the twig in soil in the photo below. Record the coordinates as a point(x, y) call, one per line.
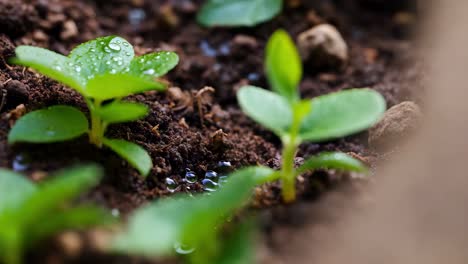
point(3, 99)
point(198, 96)
point(6, 64)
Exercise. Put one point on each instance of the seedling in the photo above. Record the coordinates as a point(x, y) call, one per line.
point(238, 12)
point(30, 213)
point(193, 225)
point(103, 71)
point(296, 120)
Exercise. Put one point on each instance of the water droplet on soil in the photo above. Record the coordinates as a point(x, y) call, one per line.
point(190, 176)
point(207, 49)
point(209, 185)
point(171, 185)
point(136, 16)
point(212, 175)
point(20, 163)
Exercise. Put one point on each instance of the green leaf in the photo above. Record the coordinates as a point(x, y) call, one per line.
point(110, 86)
point(153, 65)
point(343, 113)
point(267, 108)
point(119, 112)
point(133, 153)
point(79, 217)
point(14, 189)
point(283, 65)
point(193, 221)
point(62, 188)
point(332, 160)
point(109, 54)
point(240, 246)
point(54, 124)
point(49, 63)
point(238, 12)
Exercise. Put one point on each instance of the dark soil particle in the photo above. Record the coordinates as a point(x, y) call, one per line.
point(187, 129)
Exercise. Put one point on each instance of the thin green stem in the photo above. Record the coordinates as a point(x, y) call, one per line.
point(290, 144)
point(96, 134)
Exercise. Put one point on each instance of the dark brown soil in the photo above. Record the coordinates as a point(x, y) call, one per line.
point(175, 134)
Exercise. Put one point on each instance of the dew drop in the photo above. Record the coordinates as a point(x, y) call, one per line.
point(126, 45)
point(92, 50)
point(183, 249)
point(120, 63)
point(190, 176)
point(106, 49)
point(113, 71)
point(171, 185)
point(78, 69)
point(149, 72)
point(209, 185)
point(108, 62)
point(115, 212)
point(114, 46)
point(58, 68)
point(127, 53)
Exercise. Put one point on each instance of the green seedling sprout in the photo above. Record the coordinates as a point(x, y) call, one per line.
point(31, 212)
point(194, 224)
point(295, 120)
point(238, 12)
point(103, 71)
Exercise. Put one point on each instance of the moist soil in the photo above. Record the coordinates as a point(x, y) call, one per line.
point(189, 127)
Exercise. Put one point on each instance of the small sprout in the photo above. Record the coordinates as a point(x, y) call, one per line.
point(103, 71)
point(30, 213)
point(238, 12)
point(295, 120)
point(193, 224)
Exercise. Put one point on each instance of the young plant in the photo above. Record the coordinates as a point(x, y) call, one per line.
point(193, 225)
point(238, 12)
point(295, 120)
point(30, 213)
point(103, 71)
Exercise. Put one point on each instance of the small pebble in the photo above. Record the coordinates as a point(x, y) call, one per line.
point(397, 122)
point(69, 31)
point(16, 94)
point(323, 47)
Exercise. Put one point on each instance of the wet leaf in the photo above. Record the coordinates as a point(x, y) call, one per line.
point(103, 55)
point(63, 186)
point(283, 65)
point(53, 124)
point(341, 114)
point(265, 107)
point(332, 160)
point(49, 63)
point(133, 153)
point(119, 112)
point(238, 12)
point(110, 86)
point(153, 65)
